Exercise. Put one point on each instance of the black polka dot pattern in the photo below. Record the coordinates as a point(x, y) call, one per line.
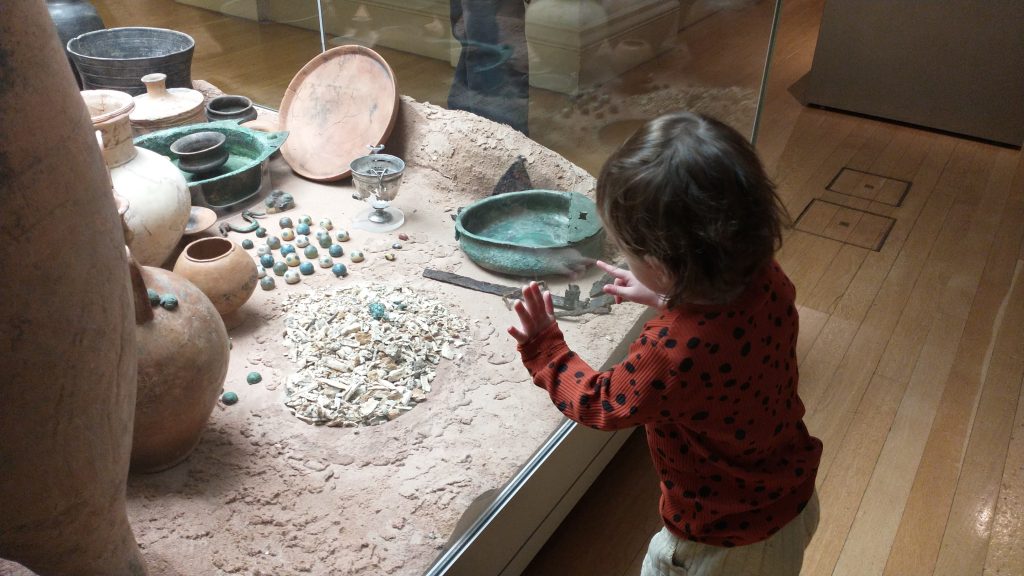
point(716, 388)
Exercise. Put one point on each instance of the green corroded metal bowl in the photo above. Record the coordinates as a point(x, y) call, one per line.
point(531, 233)
point(243, 178)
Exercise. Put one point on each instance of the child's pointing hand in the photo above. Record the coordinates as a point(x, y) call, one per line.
point(536, 312)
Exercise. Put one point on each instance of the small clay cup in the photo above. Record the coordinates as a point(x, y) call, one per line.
point(222, 270)
point(230, 107)
point(200, 152)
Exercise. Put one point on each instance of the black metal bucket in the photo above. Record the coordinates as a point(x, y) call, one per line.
point(117, 58)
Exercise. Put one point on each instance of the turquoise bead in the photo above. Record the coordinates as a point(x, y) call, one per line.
point(229, 398)
point(154, 297)
point(253, 378)
point(287, 249)
point(267, 261)
point(302, 228)
point(335, 250)
point(377, 310)
point(168, 302)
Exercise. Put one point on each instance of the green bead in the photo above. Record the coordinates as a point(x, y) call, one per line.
point(261, 232)
point(311, 252)
point(253, 378)
point(229, 398)
point(154, 298)
point(325, 241)
point(280, 268)
point(168, 302)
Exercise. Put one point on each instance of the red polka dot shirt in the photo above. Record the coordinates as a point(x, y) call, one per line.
point(716, 389)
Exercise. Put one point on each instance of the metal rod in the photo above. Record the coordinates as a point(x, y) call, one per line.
point(320, 17)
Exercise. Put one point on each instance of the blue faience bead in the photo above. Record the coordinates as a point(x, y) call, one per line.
point(261, 232)
point(285, 222)
point(302, 228)
point(287, 249)
point(267, 283)
point(306, 268)
point(274, 242)
point(280, 268)
point(154, 297)
point(267, 261)
point(339, 270)
point(253, 378)
point(229, 398)
point(335, 250)
point(247, 244)
point(311, 252)
point(377, 310)
point(168, 302)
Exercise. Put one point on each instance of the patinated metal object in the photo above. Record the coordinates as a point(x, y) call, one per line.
point(245, 175)
point(531, 233)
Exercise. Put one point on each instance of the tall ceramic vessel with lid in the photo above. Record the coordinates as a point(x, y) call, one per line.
point(162, 107)
point(157, 194)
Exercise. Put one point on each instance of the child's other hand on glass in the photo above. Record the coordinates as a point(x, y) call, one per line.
point(536, 312)
point(627, 288)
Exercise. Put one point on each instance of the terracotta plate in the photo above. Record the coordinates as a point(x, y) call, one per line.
point(199, 219)
point(339, 103)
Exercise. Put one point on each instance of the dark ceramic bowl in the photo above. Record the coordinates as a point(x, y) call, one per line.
point(201, 152)
point(115, 58)
point(230, 107)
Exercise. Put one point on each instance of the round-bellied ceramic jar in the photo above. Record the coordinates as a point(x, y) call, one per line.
point(221, 269)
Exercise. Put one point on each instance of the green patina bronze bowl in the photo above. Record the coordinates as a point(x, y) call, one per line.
point(531, 233)
point(245, 175)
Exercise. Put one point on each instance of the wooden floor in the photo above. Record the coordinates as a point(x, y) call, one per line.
point(911, 356)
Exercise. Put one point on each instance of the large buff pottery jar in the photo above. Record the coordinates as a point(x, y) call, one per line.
point(158, 198)
point(67, 334)
point(222, 270)
point(183, 358)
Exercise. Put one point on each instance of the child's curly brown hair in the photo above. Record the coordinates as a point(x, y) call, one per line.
point(690, 192)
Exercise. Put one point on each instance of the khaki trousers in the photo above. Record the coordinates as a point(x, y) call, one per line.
point(780, 555)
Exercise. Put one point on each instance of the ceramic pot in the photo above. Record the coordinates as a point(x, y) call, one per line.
point(183, 358)
point(69, 364)
point(73, 17)
point(115, 58)
point(156, 190)
point(162, 107)
point(237, 108)
point(200, 152)
point(221, 269)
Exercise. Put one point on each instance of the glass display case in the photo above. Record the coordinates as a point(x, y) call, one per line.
point(444, 458)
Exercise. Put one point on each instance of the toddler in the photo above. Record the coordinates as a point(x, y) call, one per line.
point(713, 378)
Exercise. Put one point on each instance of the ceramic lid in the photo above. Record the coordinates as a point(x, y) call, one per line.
point(342, 100)
point(162, 105)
